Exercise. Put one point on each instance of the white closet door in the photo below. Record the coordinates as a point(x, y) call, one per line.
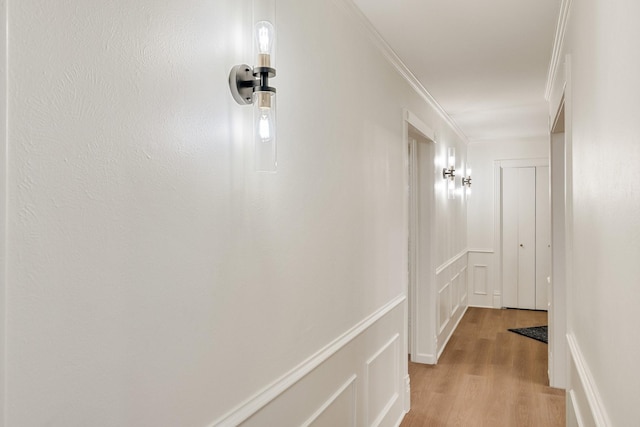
point(527, 238)
point(519, 237)
point(543, 237)
point(510, 237)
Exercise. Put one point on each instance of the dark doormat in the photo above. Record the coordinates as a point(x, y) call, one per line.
point(536, 332)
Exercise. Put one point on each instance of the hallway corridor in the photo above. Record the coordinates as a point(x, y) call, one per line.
point(487, 376)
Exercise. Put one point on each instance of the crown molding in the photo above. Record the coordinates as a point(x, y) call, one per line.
point(558, 44)
point(400, 67)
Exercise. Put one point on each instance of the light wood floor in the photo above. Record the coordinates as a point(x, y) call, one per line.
point(487, 376)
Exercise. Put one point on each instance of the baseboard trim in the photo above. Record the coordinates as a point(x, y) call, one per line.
point(481, 306)
point(256, 402)
point(588, 385)
point(446, 341)
point(407, 394)
point(427, 359)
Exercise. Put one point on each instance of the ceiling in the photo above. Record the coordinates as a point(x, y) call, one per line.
point(484, 61)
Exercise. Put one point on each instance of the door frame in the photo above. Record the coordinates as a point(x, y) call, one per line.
point(498, 165)
point(561, 235)
point(419, 337)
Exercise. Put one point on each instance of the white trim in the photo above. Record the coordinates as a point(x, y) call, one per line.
point(573, 400)
point(481, 251)
point(400, 67)
point(330, 401)
point(400, 419)
point(558, 43)
point(523, 163)
point(407, 394)
point(588, 384)
point(256, 402)
point(396, 395)
point(409, 203)
point(422, 127)
point(450, 262)
point(559, 108)
point(446, 341)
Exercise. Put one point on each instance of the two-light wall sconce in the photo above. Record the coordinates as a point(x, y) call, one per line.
point(449, 174)
point(466, 182)
point(251, 86)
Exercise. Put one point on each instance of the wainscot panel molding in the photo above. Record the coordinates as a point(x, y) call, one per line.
point(400, 66)
point(382, 389)
point(339, 407)
point(481, 279)
point(452, 297)
point(319, 388)
point(585, 402)
point(480, 282)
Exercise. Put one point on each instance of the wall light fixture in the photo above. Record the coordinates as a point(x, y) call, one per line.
point(450, 173)
point(251, 86)
point(466, 181)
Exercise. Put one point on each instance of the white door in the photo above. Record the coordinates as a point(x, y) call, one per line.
point(519, 237)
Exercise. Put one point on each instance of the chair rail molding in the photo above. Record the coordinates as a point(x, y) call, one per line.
point(262, 398)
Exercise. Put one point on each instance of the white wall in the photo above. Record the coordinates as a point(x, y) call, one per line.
point(602, 131)
point(483, 277)
point(152, 277)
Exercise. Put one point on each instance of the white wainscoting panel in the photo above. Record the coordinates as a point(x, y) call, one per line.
point(339, 407)
point(451, 279)
point(464, 287)
point(444, 304)
point(381, 385)
point(360, 375)
point(455, 294)
point(481, 279)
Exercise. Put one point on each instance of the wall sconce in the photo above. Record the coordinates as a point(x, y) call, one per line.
point(251, 86)
point(466, 182)
point(450, 173)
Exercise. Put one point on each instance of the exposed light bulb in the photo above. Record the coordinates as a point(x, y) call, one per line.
point(265, 35)
point(265, 131)
point(452, 158)
point(265, 125)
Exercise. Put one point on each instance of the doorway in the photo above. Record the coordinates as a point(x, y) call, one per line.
point(421, 289)
point(560, 189)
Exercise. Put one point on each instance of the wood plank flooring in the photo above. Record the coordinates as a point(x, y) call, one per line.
point(487, 376)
